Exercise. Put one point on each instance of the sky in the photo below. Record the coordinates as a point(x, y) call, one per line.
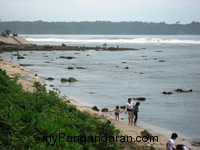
point(168, 11)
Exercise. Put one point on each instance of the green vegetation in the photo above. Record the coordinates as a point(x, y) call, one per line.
point(101, 27)
point(6, 33)
point(28, 120)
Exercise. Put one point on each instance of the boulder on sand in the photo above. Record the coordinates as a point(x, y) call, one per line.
point(146, 133)
point(104, 110)
point(95, 108)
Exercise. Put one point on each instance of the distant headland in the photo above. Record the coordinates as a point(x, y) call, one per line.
point(101, 27)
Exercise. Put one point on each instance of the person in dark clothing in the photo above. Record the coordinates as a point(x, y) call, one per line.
point(135, 112)
point(181, 147)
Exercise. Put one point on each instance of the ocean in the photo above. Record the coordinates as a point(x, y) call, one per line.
point(109, 78)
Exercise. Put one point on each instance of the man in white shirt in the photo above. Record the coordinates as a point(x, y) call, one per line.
point(171, 142)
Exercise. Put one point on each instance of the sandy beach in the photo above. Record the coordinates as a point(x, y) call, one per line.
point(25, 78)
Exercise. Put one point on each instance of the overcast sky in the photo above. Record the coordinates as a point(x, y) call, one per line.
point(169, 11)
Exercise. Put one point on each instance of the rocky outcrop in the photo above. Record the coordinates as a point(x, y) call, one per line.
point(140, 98)
point(70, 79)
point(49, 78)
point(168, 93)
point(183, 91)
point(25, 65)
point(67, 57)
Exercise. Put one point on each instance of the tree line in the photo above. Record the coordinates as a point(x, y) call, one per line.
point(101, 27)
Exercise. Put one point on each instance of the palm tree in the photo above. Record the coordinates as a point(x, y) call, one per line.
point(7, 32)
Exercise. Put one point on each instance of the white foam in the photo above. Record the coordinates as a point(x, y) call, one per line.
point(119, 40)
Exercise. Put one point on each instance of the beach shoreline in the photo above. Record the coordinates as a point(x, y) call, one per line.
point(24, 78)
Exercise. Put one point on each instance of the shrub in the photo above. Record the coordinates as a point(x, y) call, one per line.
point(29, 120)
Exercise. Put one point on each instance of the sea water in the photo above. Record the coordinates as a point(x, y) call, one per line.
point(109, 78)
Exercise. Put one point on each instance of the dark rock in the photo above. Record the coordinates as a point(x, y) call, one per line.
point(104, 110)
point(169, 93)
point(146, 133)
point(47, 62)
point(108, 121)
point(70, 68)
point(25, 65)
point(71, 79)
point(126, 68)
point(161, 61)
point(67, 57)
point(80, 68)
point(183, 91)
point(67, 101)
point(20, 57)
point(63, 44)
point(164, 92)
point(64, 80)
point(49, 78)
point(95, 108)
point(123, 107)
point(140, 98)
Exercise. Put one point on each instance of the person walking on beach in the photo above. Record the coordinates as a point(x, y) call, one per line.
point(171, 142)
point(129, 108)
point(117, 111)
point(135, 112)
point(36, 81)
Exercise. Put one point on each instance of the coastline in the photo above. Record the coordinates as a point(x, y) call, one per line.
point(31, 47)
point(27, 83)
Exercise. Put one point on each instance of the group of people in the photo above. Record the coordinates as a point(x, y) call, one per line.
point(131, 109)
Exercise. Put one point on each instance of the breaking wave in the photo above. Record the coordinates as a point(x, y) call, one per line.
point(116, 40)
